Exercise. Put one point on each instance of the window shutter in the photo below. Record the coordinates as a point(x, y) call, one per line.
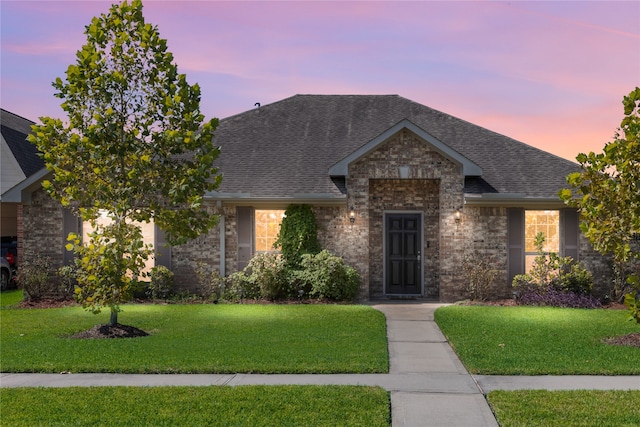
point(162, 249)
point(569, 231)
point(515, 242)
point(70, 224)
point(244, 223)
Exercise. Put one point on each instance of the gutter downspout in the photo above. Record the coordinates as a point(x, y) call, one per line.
point(222, 239)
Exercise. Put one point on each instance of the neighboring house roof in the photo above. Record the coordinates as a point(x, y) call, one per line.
point(300, 147)
point(23, 156)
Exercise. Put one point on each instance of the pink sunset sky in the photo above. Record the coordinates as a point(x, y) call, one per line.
point(550, 74)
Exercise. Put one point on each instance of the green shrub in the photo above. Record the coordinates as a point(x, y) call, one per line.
point(211, 285)
point(329, 277)
point(298, 235)
point(554, 280)
point(577, 279)
point(33, 276)
point(239, 287)
point(266, 271)
point(479, 271)
point(68, 281)
point(161, 283)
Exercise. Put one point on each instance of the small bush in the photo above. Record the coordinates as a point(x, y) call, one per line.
point(211, 285)
point(267, 276)
point(479, 272)
point(267, 273)
point(555, 281)
point(161, 284)
point(578, 279)
point(68, 281)
point(551, 295)
point(239, 287)
point(329, 277)
point(33, 276)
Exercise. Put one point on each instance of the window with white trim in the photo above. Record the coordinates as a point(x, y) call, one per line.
point(546, 222)
point(267, 228)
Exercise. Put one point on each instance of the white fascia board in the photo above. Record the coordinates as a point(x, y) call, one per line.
point(21, 192)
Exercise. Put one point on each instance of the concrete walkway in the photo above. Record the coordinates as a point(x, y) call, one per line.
point(429, 385)
point(417, 349)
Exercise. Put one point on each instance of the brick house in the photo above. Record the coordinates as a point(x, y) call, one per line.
point(401, 191)
point(18, 162)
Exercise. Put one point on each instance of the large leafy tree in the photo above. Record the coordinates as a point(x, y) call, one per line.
point(135, 148)
point(607, 194)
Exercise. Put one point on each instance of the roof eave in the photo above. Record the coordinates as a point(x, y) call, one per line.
point(296, 198)
point(513, 200)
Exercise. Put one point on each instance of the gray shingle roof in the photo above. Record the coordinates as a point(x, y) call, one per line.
point(286, 149)
point(14, 131)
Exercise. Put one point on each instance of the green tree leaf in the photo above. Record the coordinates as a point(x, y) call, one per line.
point(607, 195)
point(135, 145)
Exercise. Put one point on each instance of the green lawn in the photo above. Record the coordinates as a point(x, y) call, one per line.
point(577, 408)
point(197, 406)
point(199, 339)
point(10, 297)
point(539, 340)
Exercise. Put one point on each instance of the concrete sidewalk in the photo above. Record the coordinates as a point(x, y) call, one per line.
point(429, 385)
point(417, 348)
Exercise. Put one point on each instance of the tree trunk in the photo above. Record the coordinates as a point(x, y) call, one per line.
point(114, 317)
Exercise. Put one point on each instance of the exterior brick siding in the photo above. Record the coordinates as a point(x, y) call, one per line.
point(204, 249)
point(485, 234)
point(42, 229)
point(404, 174)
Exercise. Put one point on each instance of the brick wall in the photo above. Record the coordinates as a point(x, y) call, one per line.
point(403, 174)
point(600, 266)
point(484, 233)
point(204, 249)
point(42, 229)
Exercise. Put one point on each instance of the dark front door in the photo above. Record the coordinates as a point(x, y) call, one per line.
point(403, 255)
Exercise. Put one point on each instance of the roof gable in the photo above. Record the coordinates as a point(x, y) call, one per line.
point(468, 167)
point(14, 130)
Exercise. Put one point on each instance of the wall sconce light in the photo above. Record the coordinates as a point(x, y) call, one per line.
point(352, 215)
point(457, 217)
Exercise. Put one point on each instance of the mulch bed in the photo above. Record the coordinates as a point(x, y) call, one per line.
point(111, 331)
point(632, 340)
point(47, 303)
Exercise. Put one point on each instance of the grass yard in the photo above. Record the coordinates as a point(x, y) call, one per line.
point(576, 408)
point(11, 297)
point(539, 340)
point(197, 406)
point(199, 338)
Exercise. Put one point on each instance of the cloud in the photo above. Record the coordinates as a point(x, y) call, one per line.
point(38, 49)
point(530, 70)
